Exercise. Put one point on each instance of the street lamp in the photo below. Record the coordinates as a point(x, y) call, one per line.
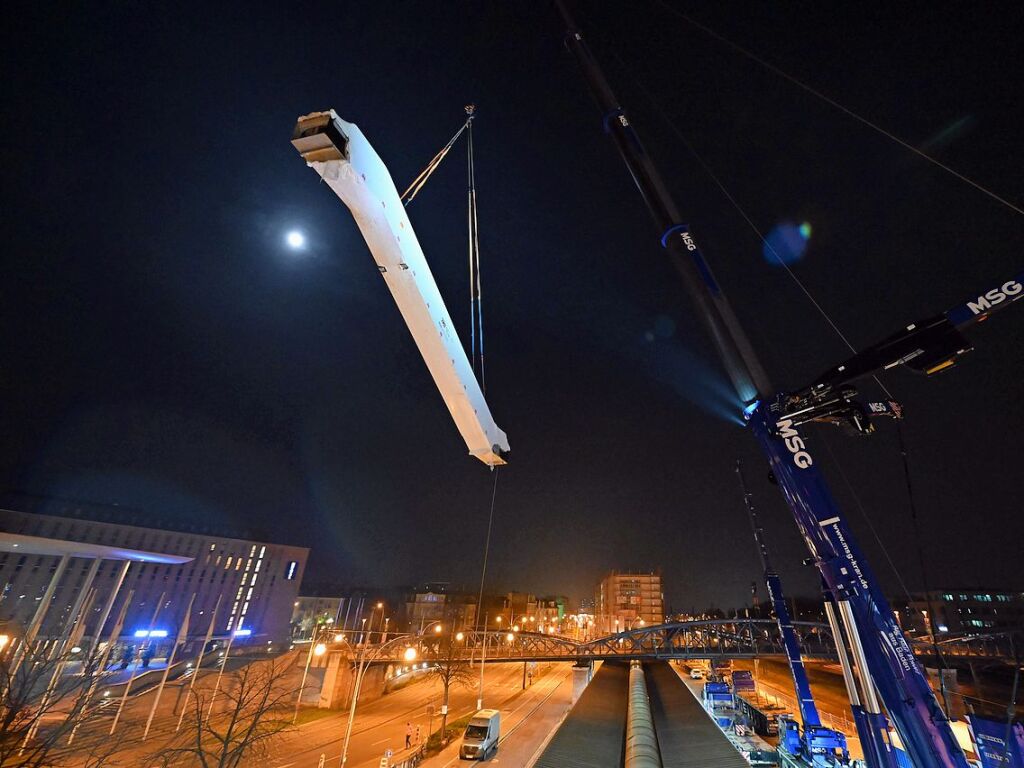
point(409, 654)
point(459, 636)
point(315, 649)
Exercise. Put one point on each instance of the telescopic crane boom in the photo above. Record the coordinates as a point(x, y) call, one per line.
point(888, 661)
point(816, 745)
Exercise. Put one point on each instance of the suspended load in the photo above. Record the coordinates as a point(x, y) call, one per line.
point(338, 151)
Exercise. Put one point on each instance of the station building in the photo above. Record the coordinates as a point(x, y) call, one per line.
point(67, 550)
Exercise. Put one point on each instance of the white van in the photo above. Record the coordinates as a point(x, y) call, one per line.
point(481, 738)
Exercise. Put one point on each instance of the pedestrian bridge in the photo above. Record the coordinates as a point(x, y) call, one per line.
point(711, 639)
point(708, 639)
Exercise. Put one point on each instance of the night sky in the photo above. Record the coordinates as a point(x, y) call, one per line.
point(163, 349)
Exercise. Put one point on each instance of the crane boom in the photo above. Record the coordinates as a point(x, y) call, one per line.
point(819, 745)
point(922, 725)
point(339, 152)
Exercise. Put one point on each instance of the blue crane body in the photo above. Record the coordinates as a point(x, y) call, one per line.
point(816, 745)
point(887, 663)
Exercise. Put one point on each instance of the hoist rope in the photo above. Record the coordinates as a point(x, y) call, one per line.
point(421, 179)
point(476, 313)
point(810, 297)
point(475, 296)
point(932, 616)
point(746, 217)
point(836, 105)
point(487, 549)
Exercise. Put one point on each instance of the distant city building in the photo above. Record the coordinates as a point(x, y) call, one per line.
point(627, 600)
point(962, 612)
point(519, 604)
point(552, 609)
point(256, 582)
point(311, 611)
point(434, 602)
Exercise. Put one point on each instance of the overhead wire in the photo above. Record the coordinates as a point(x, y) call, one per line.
point(803, 288)
point(746, 217)
point(836, 105)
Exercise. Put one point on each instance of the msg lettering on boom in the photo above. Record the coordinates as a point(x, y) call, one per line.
point(794, 443)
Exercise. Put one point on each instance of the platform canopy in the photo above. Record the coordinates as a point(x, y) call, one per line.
point(39, 545)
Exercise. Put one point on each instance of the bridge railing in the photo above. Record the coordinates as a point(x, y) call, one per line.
point(695, 639)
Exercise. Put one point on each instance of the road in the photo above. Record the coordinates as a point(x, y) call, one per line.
point(381, 725)
point(527, 720)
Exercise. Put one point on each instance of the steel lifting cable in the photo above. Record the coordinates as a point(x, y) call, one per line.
point(418, 183)
point(803, 288)
point(476, 315)
point(475, 297)
point(902, 444)
point(746, 217)
point(487, 550)
point(836, 105)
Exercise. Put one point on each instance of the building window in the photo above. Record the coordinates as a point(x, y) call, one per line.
point(289, 573)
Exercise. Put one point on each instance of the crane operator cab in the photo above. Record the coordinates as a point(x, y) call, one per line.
point(481, 738)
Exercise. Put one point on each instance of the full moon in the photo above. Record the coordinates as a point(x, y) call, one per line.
point(295, 239)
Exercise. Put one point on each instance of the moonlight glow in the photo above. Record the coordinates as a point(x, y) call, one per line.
point(295, 239)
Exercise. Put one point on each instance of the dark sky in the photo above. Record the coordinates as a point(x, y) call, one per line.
point(162, 349)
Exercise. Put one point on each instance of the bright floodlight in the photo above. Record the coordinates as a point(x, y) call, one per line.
point(410, 654)
point(295, 239)
point(319, 649)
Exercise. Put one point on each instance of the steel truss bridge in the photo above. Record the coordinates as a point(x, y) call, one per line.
point(707, 639)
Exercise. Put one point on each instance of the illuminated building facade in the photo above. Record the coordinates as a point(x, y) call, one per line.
point(962, 612)
point(255, 582)
point(628, 600)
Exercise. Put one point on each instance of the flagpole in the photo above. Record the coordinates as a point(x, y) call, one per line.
point(70, 640)
point(220, 673)
point(131, 679)
point(101, 665)
point(179, 640)
point(199, 661)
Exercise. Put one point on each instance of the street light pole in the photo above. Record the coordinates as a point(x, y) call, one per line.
point(364, 662)
point(313, 645)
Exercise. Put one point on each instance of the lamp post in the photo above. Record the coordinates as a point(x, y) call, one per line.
point(315, 649)
point(364, 662)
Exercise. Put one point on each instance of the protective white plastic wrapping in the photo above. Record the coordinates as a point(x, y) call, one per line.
point(361, 180)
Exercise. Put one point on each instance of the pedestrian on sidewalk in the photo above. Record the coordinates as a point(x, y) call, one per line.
point(408, 735)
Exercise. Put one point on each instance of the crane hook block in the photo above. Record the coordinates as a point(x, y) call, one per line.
point(345, 160)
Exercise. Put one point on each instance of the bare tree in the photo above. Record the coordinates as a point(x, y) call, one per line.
point(449, 668)
point(47, 694)
point(256, 709)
